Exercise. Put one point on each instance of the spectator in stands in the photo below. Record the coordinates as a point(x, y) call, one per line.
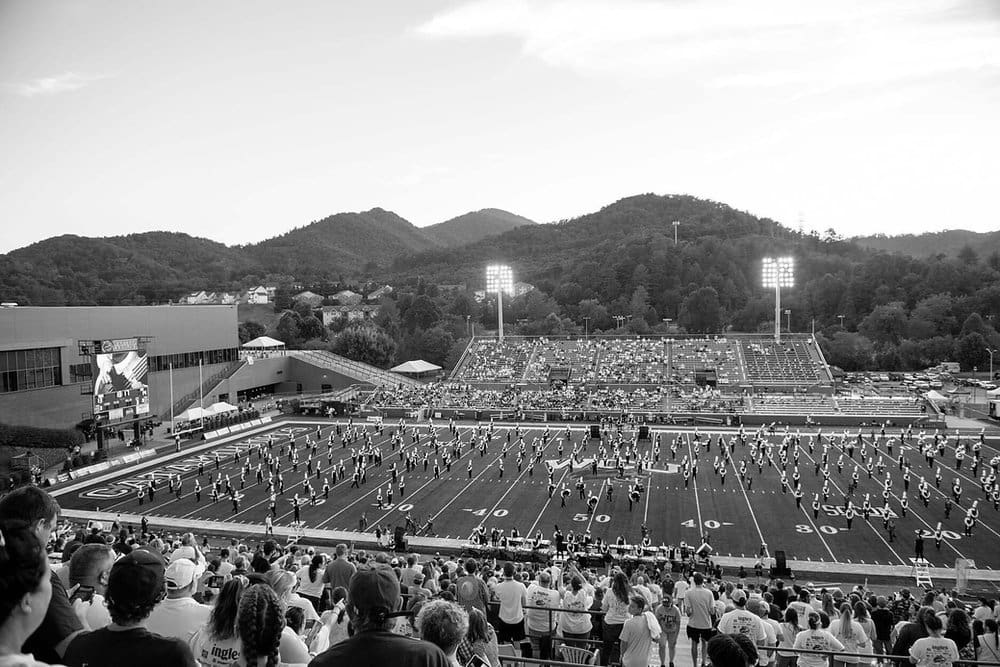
point(480, 640)
point(989, 642)
point(216, 644)
point(576, 599)
point(959, 630)
point(282, 582)
point(780, 594)
point(741, 621)
point(89, 569)
point(910, 632)
point(669, 617)
point(849, 633)
point(540, 623)
point(25, 590)
point(883, 621)
point(512, 596)
point(470, 590)
point(335, 622)
point(902, 606)
point(933, 650)
point(189, 549)
point(373, 602)
point(640, 634)
point(815, 638)
point(699, 603)
point(240, 566)
point(444, 624)
point(179, 615)
point(789, 630)
point(340, 570)
point(616, 613)
point(41, 512)
point(311, 584)
point(225, 567)
point(760, 608)
point(728, 651)
point(135, 587)
point(260, 624)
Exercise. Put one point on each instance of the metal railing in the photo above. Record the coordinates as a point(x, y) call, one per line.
point(865, 658)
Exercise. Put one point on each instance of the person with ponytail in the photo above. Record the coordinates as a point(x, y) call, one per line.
point(25, 590)
point(989, 643)
point(934, 650)
point(260, 622)
point(216, 644)
point(311, 582)
point(849, 633)
point(815, 638)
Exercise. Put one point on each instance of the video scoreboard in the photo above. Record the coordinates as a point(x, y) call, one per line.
point(121, 388)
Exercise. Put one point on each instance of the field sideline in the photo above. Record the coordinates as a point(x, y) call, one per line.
point(738, 516)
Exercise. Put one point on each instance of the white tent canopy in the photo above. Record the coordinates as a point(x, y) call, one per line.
point(263, 343)
point(220, 408)
point(993, 393)
point(192, 413)
point(415, 366)
point(935, 396)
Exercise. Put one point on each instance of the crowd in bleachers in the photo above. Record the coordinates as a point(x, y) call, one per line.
point(570, 399)
point(121, 595)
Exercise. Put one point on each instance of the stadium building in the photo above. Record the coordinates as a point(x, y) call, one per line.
point(60, 365)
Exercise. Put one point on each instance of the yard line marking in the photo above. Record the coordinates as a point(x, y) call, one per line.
point(600, 494)
point(806, 453)
point(753, 515)
point(974, 482)
point(694, 480)
point(911, 510)
point(645, 512)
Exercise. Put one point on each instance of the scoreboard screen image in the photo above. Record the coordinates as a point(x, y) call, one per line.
point(121, 390)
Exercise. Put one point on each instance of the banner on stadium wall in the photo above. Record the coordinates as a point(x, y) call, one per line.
point(962, 567)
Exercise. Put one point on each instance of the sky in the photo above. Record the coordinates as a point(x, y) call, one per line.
point(238, 121)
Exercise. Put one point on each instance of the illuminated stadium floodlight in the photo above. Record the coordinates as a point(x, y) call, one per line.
point(778, 272)
point(499, 279)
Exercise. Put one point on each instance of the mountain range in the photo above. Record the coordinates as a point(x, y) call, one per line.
point(153, 267)
point(582, 257)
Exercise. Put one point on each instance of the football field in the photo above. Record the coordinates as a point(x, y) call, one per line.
point(739, 511)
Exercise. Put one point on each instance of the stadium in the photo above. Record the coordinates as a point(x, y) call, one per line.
point(671, 449)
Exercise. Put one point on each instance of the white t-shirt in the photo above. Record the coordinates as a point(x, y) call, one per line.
point(313, 589)
point(742, 622)
point(178, 617)
point(858, 642)
point(212, 652)
point(934, 652)
point(511, 593)
point(816, 640)
point(539, 596)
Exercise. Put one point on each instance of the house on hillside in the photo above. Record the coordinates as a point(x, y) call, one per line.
point(353, 313)
point(225, 298)
point(257, 295)
point(195, 298)
point(313, 299)
point(346, 298)
point(385, 290)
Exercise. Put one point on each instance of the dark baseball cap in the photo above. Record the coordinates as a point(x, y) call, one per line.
point(377, 588)
point(137, 578)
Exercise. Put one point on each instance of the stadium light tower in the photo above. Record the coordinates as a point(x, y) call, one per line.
point(499, 279)
point(778, 272)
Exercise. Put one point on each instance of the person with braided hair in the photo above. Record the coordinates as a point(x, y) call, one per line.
point(25, 591)
point(260, 624)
